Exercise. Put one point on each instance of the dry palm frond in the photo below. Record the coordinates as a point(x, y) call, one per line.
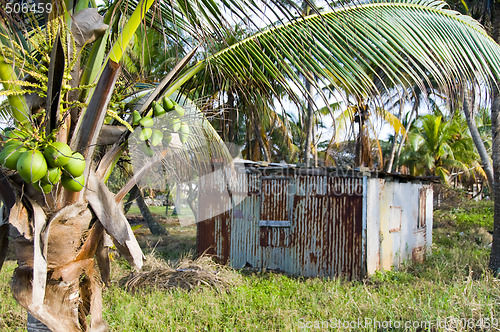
point(187, 274)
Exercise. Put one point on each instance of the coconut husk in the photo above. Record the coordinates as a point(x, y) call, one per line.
point(187, 274)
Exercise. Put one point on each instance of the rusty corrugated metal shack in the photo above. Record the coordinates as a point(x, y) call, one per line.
point(313, 221)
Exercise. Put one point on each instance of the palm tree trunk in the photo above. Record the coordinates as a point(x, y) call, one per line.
point(394, 145)
point(153, 226)
point(167, 198)
point(414, 109)
point(315, 146)
point(248, 136)
point(495, 136)
point(363, 156)
point(476, 137)
point(265, 151)
point(495, 133)
point(392, 155)
point(309, 123)
point(133, 194)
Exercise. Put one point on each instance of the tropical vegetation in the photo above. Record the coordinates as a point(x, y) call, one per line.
point(441, 146)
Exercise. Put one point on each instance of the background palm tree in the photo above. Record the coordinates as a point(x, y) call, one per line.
point(441, 147)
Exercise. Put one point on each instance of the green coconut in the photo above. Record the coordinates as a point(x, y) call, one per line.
point(57, 154)
point(159, 111)
point(156, 137)
point(183, 132)
point(136, 118)
point(43, 187)
point(147, 121)
point(73, 184)
point(32, 166)
point(53, 176)
point(168, 104)
point(179, 111)
point(15, 134)
point(75, 166)
point(167, 138)
point(147, 150)
point(6, 131)
point(11, 153)
point(145, 134)
point(174, 124)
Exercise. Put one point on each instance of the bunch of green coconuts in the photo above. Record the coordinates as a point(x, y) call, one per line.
point(173, 112)
point(42, 163)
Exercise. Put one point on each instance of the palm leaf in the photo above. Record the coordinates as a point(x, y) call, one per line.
point(393, 121)
point(408, 41)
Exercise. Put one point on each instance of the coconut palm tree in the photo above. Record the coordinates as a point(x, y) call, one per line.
point(440, 147)
point(57, 282)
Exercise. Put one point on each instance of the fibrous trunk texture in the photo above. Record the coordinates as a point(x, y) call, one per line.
point(72, 287)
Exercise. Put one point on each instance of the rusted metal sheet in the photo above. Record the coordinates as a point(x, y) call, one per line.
point(205, 239)
point(420, 231)
point(327, 227)
point(422, 207)
point(319, 219)
point(245, 234)
point(214, 236)
point(274, 236)
point(274, 194)
point(215, 201)
point(275, 221)
point(306, 223)
point(418, 254)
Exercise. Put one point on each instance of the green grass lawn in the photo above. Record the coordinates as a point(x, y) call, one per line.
point(159, 210)
point(451, 284)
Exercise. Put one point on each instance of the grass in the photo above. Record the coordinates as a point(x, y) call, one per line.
point(466, 215)
point(12, 316)
point(453, 282)
point(158, 210)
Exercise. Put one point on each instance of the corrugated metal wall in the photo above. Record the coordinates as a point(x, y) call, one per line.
point(309, 225)
point(327, 227)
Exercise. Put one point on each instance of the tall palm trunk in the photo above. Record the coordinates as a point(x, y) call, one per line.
point(363, 156)
point(258, 135)
point(136, 194)
point(394, 145)
point(495, 133)
point(309, 123)
point(414, 110)
point(476, 137)
point(315, 145)
point(153, 226)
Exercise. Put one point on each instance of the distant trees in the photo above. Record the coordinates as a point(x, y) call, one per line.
point(441, 146)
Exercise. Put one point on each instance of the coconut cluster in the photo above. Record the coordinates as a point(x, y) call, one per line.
point(172, 112)
point(43, 167)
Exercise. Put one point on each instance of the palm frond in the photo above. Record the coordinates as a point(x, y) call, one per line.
point(407, 41)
